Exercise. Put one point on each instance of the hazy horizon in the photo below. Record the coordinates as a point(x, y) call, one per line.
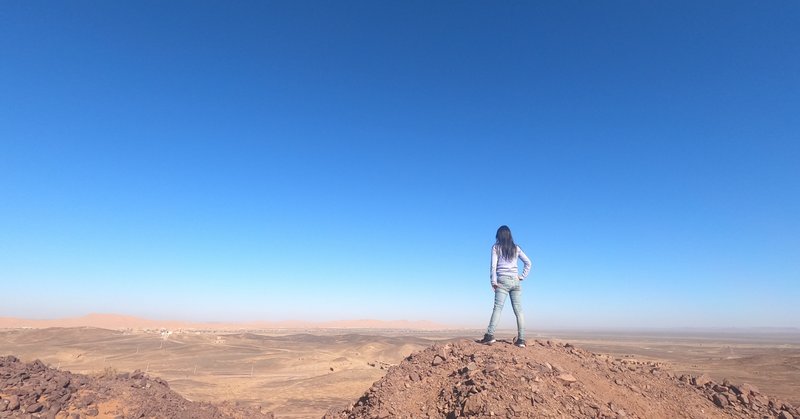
point(318, 161)
point(507, 327)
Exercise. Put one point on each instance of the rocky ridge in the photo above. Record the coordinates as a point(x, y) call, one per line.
point(34, 390)
point(550, 380)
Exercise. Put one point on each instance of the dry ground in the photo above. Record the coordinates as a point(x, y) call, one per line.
point(303, 374)
point(298, 375)
point(768, 360)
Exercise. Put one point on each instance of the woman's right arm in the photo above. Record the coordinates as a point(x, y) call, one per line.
point(526, 261)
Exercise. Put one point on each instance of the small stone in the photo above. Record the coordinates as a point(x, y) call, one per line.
point(38, 365)
point(437, 360)
point(55, 407)
point(701, 380)
point(720, 400)
point(473, 406)
point(785, 415)
point(749, 389)
point(612, 407)
point(567, 378)
point(33, 408)
point(491, 368)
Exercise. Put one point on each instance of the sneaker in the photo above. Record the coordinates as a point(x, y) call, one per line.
point(520, 343)
point(487, 339)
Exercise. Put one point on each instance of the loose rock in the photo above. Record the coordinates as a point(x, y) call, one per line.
point(477, 380)
point(39, 391)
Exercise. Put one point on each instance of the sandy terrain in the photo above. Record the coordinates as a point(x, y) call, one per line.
point(303, 374)
point(299, 375)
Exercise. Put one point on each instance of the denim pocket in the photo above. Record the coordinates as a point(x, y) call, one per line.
point(506, 282)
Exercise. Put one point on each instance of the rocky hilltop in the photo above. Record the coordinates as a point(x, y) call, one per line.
point(550, 380)
point(33, 390)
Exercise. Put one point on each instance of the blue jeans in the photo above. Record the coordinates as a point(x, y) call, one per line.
point(508, 286)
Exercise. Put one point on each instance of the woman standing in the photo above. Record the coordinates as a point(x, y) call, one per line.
point(506, 282)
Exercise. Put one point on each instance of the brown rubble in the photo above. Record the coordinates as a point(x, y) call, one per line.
point(550, 380)
point(33, 390)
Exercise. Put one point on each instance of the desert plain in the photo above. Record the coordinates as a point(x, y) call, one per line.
point(303, 372)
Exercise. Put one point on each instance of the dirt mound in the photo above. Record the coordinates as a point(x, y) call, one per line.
point(550, 380)
point(33, 390)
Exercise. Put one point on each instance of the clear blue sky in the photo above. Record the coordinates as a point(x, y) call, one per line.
point(257, 160)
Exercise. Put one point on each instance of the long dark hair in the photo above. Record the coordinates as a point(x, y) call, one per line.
point(505, 243)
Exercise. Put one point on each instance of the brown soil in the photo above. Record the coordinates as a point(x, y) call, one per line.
point(550, 380)
point(33, 390)
point(457, 379)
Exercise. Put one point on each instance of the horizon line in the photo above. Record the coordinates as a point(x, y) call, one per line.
point(124, 321)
